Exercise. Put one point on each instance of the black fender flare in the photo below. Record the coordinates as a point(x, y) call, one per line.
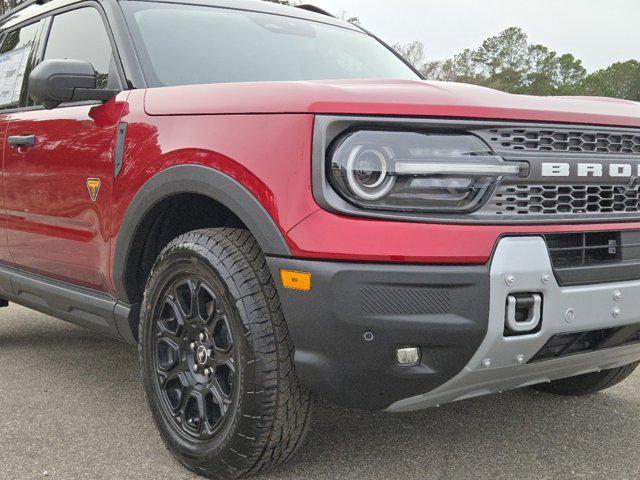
point(201, 180)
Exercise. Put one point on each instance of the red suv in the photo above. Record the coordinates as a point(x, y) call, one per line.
point(272, 204)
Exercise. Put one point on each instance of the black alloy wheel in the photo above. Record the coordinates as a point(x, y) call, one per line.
point(195, 357)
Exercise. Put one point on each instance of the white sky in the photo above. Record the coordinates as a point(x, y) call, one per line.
point(599, 32)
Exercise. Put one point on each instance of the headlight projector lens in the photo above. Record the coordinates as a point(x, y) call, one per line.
point(367, 173)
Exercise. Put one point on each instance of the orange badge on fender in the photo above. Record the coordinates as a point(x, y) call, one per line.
point(93, 185)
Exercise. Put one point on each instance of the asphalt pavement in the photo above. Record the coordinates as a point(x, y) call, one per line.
point(71, 407)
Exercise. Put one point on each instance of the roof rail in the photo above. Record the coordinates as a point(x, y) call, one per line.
point(314, 9)
point(20, 7)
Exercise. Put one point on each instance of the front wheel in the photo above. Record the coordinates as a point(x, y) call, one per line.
point(589, 383)
point(216, 357)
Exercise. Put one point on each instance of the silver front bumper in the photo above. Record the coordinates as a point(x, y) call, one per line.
point(523, 265)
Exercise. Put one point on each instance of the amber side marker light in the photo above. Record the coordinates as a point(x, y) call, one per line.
point(296, 280)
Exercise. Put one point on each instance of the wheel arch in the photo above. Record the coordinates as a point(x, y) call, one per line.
point(190, 179)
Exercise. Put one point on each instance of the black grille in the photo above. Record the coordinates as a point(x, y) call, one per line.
point(563, 140)
point(564, 199)
point(584, 249)
point(567, 344)
point(595, 257)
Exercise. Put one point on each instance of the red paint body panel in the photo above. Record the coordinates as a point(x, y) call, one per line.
point(390, 97)
point(269, 155)
point(383, 241)
point(54, 228)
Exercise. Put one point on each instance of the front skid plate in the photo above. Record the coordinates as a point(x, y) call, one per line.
point(495, 367)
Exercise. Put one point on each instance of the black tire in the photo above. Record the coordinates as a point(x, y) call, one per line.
point(588, 384)
point(247, 413)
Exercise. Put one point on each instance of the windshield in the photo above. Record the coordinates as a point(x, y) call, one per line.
point(188, 44)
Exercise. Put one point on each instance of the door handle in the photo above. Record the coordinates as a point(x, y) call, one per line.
point(27, 141)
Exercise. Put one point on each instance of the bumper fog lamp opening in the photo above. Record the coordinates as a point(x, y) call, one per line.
point(408, 356)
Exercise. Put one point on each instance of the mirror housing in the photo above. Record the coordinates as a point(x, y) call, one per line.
point(54, 82)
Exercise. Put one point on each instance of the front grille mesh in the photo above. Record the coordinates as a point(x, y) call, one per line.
point(520, 200)
point(569, 250)
point(562, 140)
point(584, 258)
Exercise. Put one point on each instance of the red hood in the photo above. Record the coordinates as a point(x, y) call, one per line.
point(387, 97)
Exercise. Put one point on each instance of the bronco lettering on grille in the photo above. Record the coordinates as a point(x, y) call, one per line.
point(613, 170)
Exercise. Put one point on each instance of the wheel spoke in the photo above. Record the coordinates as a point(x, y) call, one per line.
point(178, 369)
point(224, 359)
point(185, 297)
point(175, 388)
point(222, 400)
point(171, 322)
point(194, 412)
point(222, 334)
point(168, 355)
point(207, 304)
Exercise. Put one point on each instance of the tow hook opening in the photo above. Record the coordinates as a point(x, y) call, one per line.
point(523, 314)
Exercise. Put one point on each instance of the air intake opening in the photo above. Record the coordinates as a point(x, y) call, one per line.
point(566, 344)
point(595, 257)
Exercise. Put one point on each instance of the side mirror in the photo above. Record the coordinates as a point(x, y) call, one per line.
point(54, 82)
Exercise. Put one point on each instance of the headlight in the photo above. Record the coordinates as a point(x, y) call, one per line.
point(417, 172)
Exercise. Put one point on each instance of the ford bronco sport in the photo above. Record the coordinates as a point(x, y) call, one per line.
point(272, 204)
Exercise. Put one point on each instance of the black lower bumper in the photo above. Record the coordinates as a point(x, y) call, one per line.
point(442, 310)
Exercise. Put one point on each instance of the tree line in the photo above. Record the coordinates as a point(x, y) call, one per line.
point(509, 62)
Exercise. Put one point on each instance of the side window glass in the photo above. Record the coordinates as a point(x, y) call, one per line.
point(81, 35)
point(14, 60)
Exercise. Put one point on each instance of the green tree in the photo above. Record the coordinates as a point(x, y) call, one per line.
point(504, 59)
point(541, 71)
point(571, 75)
point(620, 80)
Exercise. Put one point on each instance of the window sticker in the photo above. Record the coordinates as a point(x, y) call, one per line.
point(13, 65)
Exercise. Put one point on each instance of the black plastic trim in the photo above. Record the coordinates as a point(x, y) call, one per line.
point(442, 309)
point(592, 274)
point(27, 141)
point(201, 180)
point(119, 149)
point(312, 8)
point(84, 307)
